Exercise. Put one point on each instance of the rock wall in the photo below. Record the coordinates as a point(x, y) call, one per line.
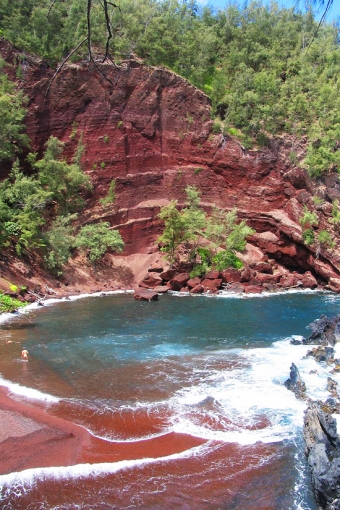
point(151, 131)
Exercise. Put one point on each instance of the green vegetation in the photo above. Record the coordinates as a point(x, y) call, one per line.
point(9, 304)
point(267, 69)
point(201, 235)
point(38, 210)
point(111, 195)
point(95, 239)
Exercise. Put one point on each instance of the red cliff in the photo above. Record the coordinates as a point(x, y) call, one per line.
point(151, 131)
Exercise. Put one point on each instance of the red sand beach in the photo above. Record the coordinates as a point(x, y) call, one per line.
point(31, 438)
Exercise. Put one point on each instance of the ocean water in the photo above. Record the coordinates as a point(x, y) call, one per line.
point(187, 393)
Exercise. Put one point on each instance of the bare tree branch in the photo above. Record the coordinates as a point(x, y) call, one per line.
point(51, 7)
point(63, 63)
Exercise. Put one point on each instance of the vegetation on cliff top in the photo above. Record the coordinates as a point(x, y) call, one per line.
point(268, 70)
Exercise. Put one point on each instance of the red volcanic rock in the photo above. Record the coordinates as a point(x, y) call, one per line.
point(267, 278)
point(236, 287)
point(308, 281)
point(149, 130)
point(334, 284)
point(193, 282)
point(230, 275)
point(161, 289)
point(288, 280)
point(263, 267)
point(145, 295)
point(168, 275)
point(212, 285)
point(303, 196)
point(184, 290)
point(246, 274)
point(150, 281)
point(212, 275)
point(253, 289)
point(179, 281)
point(198, 289)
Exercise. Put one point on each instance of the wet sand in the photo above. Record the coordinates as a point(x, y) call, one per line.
point(31, 437)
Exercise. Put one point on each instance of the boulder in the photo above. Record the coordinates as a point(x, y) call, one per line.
point(168, 275)
point(212, 285)
point(288, 280)
point(230, 275)
point(179, 281)
point(252, 289)
point(334, 284)
point(263, 267)
point(145, 295)
point(324, 331)
point(150, 281)
point(295, 383)
point(212, 275)
point(322, 353)
point(236, 287)
point(246, 274)
point(198, 289)
point(308, 281)
point(267, 278)
point(193, 282)
point(161, 289)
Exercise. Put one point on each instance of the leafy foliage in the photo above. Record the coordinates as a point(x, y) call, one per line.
point(194, 228)
point(12, 107)
point(9, 304)
point(97, 238)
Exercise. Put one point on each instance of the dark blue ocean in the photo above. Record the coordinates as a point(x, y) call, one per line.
point(196, 382)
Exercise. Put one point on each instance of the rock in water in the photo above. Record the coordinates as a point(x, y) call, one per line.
point(324, 331)
point(323, 455)
point(145, 295)
point(295, 383)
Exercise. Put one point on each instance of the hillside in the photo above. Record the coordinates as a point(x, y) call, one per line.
point(151, 131)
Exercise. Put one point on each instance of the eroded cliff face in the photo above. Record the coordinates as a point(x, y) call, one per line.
point(151, 131)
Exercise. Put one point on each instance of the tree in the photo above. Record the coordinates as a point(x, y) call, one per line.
point(64, 181)
point(12, 107)
point(59, 241)
point(175, 231)
point(97, 238)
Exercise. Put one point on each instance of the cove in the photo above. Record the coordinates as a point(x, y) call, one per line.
point(188, 390)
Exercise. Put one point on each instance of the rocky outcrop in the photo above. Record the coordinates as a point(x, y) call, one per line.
point(322, 442)
point(295, 383)
point(323, 455)
point(151, 131)
point(324, 331)
point(145, 295)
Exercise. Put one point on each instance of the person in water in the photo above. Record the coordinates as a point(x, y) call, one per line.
point(24, 354)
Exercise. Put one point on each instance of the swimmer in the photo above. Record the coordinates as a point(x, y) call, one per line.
point(24, 354)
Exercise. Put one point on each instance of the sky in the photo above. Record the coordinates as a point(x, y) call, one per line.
point(333, 14)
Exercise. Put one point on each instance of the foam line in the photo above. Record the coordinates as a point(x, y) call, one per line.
point(24, 391)
point(31, 476)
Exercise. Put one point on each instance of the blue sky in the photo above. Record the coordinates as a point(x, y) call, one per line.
point(333, 14)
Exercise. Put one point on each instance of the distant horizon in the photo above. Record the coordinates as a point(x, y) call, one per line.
point(333, 14)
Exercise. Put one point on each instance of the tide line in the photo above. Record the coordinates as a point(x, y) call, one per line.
point(32, 476)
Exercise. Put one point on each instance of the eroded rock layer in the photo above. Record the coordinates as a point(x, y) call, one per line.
point(151, 131)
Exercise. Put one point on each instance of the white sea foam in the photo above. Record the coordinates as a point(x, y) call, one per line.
point(246, 395)
point(30, 477)
point(24, 391)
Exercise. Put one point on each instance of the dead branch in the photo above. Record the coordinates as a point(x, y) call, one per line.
point(62, 65)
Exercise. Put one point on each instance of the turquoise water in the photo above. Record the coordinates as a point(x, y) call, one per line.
point(211, 368)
